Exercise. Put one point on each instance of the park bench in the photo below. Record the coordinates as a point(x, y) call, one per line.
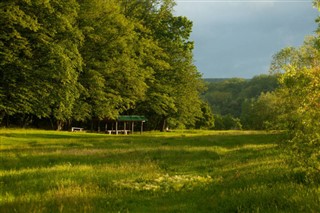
point(76, 129)
point(118, 131)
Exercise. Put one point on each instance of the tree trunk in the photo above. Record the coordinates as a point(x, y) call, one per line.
point(163, 124)
point(7, 121)
point(69, 122)
point(2, 117)
point(26, 121)
point(51, 122)
point(91, 125)
point(59, 125)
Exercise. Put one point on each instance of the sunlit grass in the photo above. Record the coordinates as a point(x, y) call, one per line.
point(166, 183)
point(179, 171)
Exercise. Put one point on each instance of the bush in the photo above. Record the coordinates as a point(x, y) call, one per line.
point(300, 93)
point(227, 122)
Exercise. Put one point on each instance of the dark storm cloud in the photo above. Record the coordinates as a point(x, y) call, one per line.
point(238, 39)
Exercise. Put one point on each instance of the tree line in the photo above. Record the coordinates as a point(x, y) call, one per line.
point(264, 102)
point(80, 61)
point(240, 103)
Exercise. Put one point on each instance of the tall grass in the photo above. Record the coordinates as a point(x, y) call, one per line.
point(180, 171)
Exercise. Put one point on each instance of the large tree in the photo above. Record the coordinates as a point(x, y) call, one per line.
point(300, 101)
point(40, 61)
point(15, 59)
point(95, 59)
point(175, 84)
point(120, 57)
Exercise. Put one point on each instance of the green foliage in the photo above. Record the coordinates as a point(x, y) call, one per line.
point(172, 98)
point(235, 99)
point(40, 61)
point(260, 84)
point(301, 94)
point(299, 98)
point(227, 122)
point(206, 121)
point(227, 96)
point(93, 60)
point(15, 59)
point(112, 77)
point(305, 56)
point(224, 97)
point(260, 113)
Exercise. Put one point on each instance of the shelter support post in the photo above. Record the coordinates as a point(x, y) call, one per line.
point(141, 130)
point(132, 126)
point(116, 127)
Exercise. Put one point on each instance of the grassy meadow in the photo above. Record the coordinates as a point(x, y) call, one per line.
point(181, 171)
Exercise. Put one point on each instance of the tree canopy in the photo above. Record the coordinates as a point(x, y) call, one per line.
point(235, 101)
point(299, 101)
point(70, 61)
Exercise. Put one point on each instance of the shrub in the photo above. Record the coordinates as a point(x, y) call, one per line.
point(300, 93)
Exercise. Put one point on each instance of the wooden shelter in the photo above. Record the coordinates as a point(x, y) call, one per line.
point(126, 124)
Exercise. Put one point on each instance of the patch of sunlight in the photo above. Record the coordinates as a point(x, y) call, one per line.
point(146, 168)
point(253, 147)
point(191, 133)
point(219, 149)
point(25, 197)
point(61, 192)
point(167, 183)
point(214, 149)
point(73, 190)
point(73, 152)
point(262, 164)
point(7, 198)
point(58, 168)
point(97, 152)
point(76, 152)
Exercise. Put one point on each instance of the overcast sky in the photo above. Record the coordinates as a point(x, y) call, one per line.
point(238, 38)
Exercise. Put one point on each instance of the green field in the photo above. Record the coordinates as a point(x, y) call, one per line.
point(182, 171)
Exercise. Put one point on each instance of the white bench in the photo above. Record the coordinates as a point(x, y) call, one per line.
point(118, 131)
point(76, 129)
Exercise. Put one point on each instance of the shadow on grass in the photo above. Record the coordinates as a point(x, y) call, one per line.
point(168, 151)
point(53, 135)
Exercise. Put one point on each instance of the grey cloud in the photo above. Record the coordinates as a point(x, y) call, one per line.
point(239, 39)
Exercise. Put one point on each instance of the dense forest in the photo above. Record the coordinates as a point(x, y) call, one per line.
point(67, 62)
point(240, 103)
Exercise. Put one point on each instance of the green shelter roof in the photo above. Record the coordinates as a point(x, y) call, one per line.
point(132, 118)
